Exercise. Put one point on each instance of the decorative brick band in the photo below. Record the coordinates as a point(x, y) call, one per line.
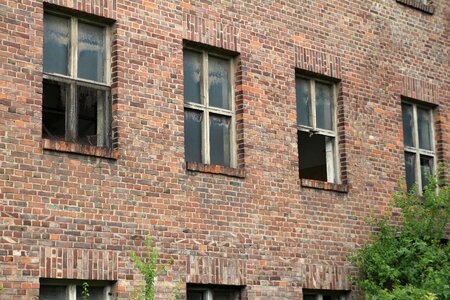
point(215, 270)
point(72, 263)
point(428, 8)
point(103, 8)
point(212, 33)
point(419, 90)
point(214, 169)
point(318, 62)
point(326, 277)
point(322, 185)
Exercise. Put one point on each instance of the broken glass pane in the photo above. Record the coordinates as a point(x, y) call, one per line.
point(324, 106)
point(220, 140)
point(95, 293)
point(89, 110)
point(424, 126)
point(219, 82)
point(303, 101)
point(426, 169)
point(408, 125)
point(192, 64)
point(91, 52)
point(52, 292)
point(56, 44)
point(312, 156)
point(410, 166)
point(193, 135)
point(54, 109)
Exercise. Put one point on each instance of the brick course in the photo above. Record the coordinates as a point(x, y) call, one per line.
point(259, 224)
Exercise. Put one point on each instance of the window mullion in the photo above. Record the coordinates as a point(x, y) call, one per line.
point(209, 294)
point(416, 144)
point(72, 114)
point(205, 125)
point(71, 292)
point(312, 96)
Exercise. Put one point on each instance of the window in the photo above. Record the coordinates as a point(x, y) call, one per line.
point(209, 113)
point(51, 289)
point(76, 86)
point(418, 138)
point(213, 293)
point(316, 123)
point(323, 295)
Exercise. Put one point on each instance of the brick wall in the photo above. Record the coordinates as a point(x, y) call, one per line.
point(260, 227)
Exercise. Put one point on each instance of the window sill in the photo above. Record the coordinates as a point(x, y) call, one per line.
point(323, 185)
point(215, 169)
point(428, 8)
point(63, 146)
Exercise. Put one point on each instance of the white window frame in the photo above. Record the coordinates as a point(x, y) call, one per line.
point(331, 146)
point(71, 288)
point(416, 150)
point(206, 109)
point(104, 122)
point(208, 291)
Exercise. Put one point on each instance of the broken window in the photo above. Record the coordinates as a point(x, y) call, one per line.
point(213, 292)
point(209, 117)
point(76, 87)
point(51, 289)
point(317, 142)
point(418, 139)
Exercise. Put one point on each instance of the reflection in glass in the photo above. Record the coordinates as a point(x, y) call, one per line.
point(192, 64)
point(91, 52)
point(426, 169)
point(56, 44)
point(218, 79)
point(408, 125)
point(410, 166)
point(193, 135)
point(54, 109)
point(303, 101)
point(220, 140)
point(424, 126)
point(324, 102)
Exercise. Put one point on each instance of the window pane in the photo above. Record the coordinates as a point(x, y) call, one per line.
point(303, 101)
point(219, 82)
point(224, 295)
point(312, 156)
point(426, 169)
point(193, 135)
point(192, 64)
point(309, 297)
point(90, 114)
point(219, 140)
point(54, 109)
point(56, 44)
point(410, 166)
point(324, 102)
point(408, 125)
point(424, 124)
point(91, 52)
point(52, 292)
point(95, 293)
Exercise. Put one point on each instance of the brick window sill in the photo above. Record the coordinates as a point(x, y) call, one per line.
point(323, 185)
point(63, 146)
point(214, 169)
point(428, 8)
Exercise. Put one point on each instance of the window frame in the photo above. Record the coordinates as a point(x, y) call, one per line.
point(71, 286)
point(416, 150)
point(342, 295)
point(206, 109)
point(332, 149)
point(104, 124)
point(208, 292)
